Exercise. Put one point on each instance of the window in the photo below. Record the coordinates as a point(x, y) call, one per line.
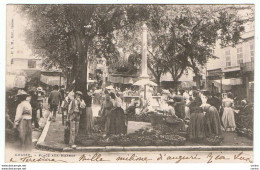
point(228, 58)
point(252, 51)
point(239, 55)
point(31, 64)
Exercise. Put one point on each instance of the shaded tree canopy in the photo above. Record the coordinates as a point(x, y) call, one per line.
point(67, 36)
point(180, 36)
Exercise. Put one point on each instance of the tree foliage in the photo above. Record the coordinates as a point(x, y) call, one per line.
point(180, 36)
point(185, 36)
point(66, 36)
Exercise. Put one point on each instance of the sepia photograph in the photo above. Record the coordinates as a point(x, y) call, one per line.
point(129, 83)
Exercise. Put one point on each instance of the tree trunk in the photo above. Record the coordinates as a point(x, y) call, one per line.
point(175, 82)
point(158, 78)
point(197, 78)
point(81, 75)
point(74, 70)
point(157, 75)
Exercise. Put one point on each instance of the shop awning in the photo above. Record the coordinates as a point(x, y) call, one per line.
point(52, 80)
point(121, 79)
point(227, 83)
point(187, 84)
point(231, 82)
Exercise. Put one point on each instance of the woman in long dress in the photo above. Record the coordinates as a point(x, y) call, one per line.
point(197, 119)
point(212, 120)
point(22, 121)
point(117, 122)
point(107, 107)
point(89, 113)
point(228, 117)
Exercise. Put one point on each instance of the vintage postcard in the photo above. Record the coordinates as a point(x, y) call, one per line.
point(129, 83)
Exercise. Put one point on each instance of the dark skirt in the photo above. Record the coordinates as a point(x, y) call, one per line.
point(89, 119)
point(213, 125)
point(25, 134)
point(197, 126)
point(117, 121)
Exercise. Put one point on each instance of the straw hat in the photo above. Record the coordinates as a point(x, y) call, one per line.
point(39, 89)
point(22, 92)
point(79, 92)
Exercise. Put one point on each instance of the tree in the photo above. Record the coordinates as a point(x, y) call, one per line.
point(187, 35)
point(202, 27)
point(166, 54)
point(134, 61)
point(132, 40)
point(184, 36)
point(67, 36)
point(181, 36)
point(122, 66)
point(156, 66)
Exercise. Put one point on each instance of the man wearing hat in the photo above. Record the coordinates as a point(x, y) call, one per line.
point(75, 110)
point(40, 97)
point(54, 101)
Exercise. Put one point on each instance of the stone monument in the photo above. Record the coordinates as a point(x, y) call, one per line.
point(144, 74)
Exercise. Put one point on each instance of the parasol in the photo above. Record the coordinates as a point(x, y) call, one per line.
point(144, 82)
point(164, 91)
point(110, 87)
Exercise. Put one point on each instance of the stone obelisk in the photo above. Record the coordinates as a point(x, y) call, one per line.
point(144, 73)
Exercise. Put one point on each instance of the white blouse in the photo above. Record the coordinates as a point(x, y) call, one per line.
point(23, 111)
point(118, 102)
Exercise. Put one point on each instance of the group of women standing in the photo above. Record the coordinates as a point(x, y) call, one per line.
point(113, 115)
point(205, 120)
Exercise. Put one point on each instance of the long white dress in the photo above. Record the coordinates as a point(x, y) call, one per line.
point(228, 117)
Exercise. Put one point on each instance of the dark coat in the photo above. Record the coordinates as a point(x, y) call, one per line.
point(195, 105)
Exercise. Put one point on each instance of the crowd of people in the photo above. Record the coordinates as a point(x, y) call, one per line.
point(25, 106)
point(74, 106)
point(206, 115)
point(201, 114)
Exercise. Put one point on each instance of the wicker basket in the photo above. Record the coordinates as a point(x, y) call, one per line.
point(156, 119)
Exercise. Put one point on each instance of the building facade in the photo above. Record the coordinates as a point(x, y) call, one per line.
point(22, 67)
point(234, 69)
